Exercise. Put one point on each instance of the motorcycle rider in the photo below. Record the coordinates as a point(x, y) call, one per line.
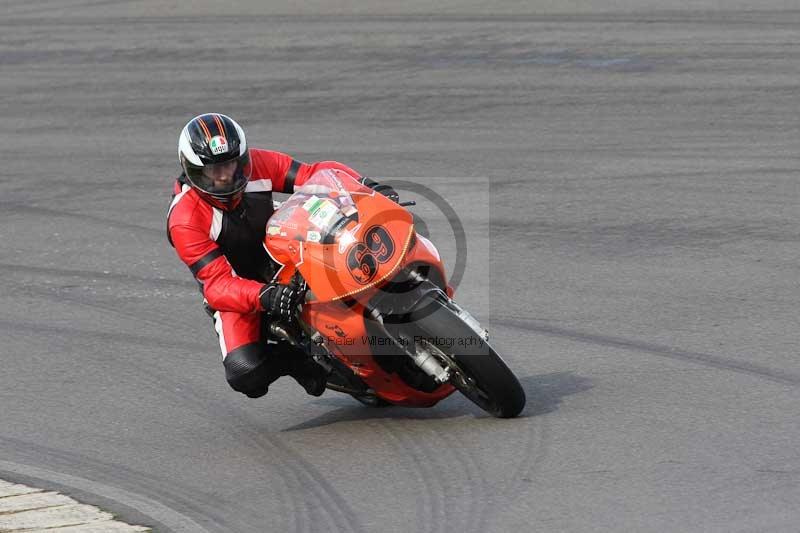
point(216, 223)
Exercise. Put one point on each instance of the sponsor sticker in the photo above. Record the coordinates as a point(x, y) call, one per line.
point(219, 145)
point(313, 236)
point(273, 230)
point(321, 212)
point(324, 214)
point(312, 204)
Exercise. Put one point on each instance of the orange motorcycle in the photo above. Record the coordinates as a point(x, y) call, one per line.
point(379, 314)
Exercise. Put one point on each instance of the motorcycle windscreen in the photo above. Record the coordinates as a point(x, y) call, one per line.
point(314, 213)
point(343, 237)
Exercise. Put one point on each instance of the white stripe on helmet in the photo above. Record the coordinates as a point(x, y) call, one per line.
point(185, 148)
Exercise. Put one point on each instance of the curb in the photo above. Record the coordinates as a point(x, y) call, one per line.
point(31, 510)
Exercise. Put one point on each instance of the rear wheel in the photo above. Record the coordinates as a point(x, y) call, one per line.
point(476, 370)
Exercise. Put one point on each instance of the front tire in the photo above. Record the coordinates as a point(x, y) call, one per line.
point(476, 369)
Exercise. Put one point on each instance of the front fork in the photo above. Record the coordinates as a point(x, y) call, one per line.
point(423, 353)
point(422, 357)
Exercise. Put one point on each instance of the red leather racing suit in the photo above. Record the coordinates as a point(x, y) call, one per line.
point(224, 249)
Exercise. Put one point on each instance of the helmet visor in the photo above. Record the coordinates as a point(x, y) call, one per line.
point(222, 179)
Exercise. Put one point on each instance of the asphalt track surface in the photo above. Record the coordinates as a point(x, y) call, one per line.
point(639, 163)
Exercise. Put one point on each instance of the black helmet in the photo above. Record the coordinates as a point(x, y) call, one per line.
point(210, 145)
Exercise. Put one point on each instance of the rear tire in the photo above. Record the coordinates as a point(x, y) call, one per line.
point(477, 371)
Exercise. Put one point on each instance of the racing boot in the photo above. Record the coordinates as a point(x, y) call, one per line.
point(305, 371)
point(309, 374)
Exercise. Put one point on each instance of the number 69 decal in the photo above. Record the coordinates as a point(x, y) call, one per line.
point(364, 258)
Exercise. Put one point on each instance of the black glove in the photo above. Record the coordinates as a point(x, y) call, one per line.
point(281, 301)
point(386, 190)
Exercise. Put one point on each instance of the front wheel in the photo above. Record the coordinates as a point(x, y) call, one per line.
point(476, 370)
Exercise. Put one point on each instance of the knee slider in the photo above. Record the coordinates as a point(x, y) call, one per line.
point(247, 370)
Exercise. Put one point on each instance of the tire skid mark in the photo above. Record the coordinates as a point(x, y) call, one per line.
point(432, 468)
point(300, 516)
point(149, 376)
point(299, 472)
point(704, 359)
point(430, 504)
point(293, 477)
point(459, 521)
point(96, 275)
point(478, 517)
point(301, 510)
point(297, 475)
point(108, 223)
point(538, 442)
point(300, 519)
point(48, 8)
point(79, 334)
point(476, 478)
point(107, 308)
point(128, 315)
point(165, 491)
point(311, 480)
point(296, 517)
point(536, 445)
